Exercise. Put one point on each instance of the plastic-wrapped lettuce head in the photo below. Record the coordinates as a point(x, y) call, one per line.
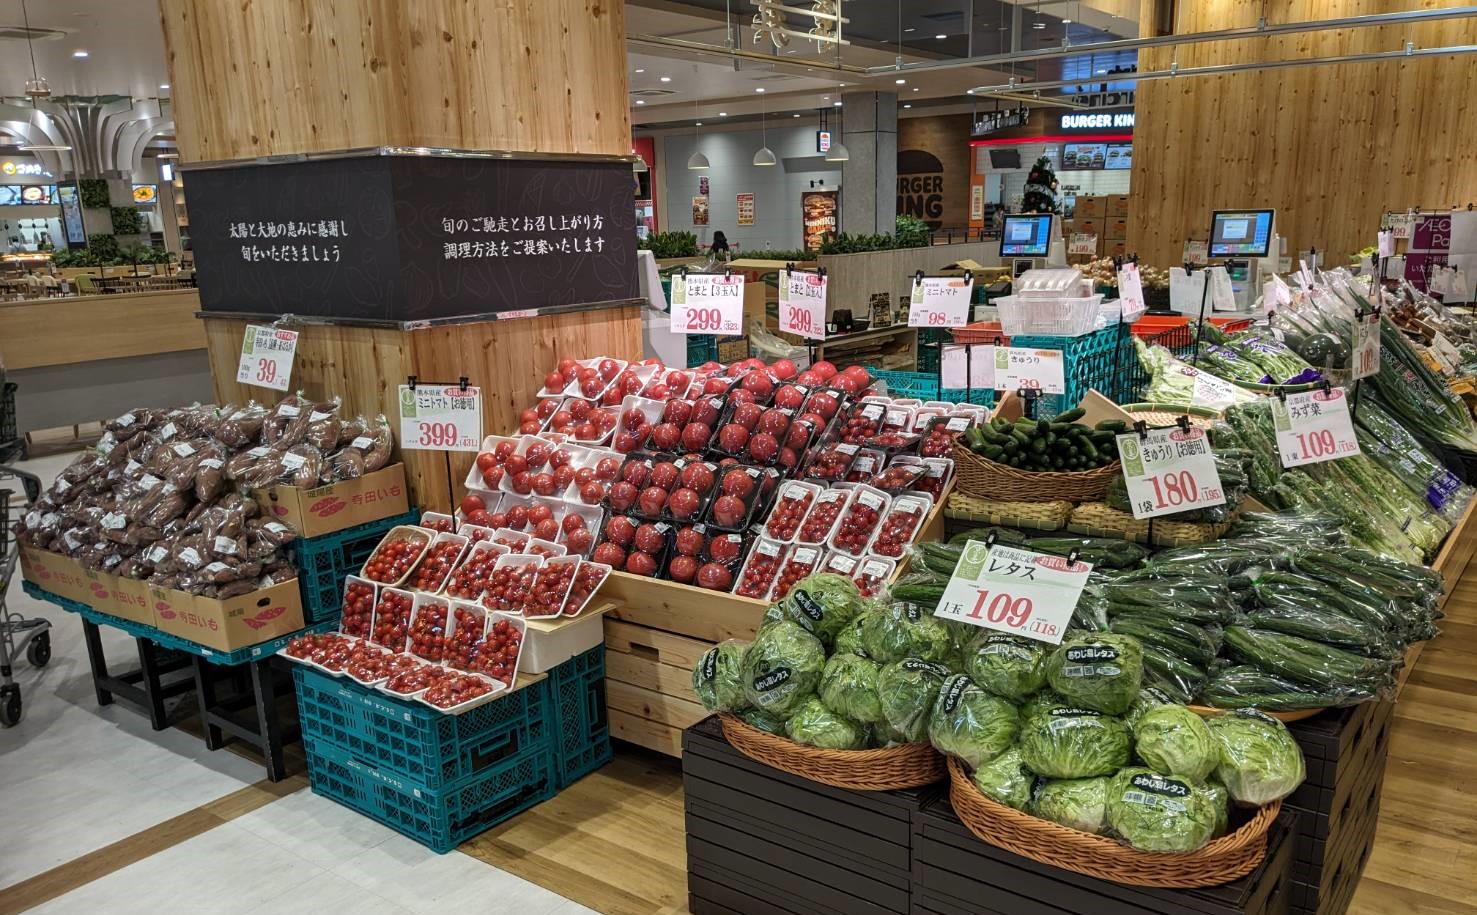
point(823, 604)
point(849, 687)
point(849, 639)
point(885, 735)
point(763, 721)
point(1259, 760)
point(1148, 697)
point(1076, 803)
point(1040, 702)
point(1006, 780)
point(971, 724)
point(1068, 742)
point(817, 726)
point(782, 668)
point(1098, 670)
point(906, 630)
point(1160, 813)
point(907, 690)
point(1006, 665)
point(718, 678)
point(1175, 741)
point(772, 614)
point(1222, 799)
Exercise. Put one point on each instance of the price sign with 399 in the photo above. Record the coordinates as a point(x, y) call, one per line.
point(440, 418)
point(802, 304)
point(707, 303)
point(1168, 471)
point(1313, 427)
point(266, 357)
point(1013, 590)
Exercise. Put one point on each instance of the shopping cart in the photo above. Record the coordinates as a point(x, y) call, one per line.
point(17, 633)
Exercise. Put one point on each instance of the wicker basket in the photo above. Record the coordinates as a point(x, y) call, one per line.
point(1037, 516)
point(977, 476)
point(1098, 519)
point(1167, 414)
point(1303, 714)
point(1225, 859)
point(910, 765)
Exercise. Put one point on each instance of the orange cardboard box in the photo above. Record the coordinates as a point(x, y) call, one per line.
point(337, 506)
point(1090, 208)
point(61, 575)
point(1117, 205)
point(1117, 228)
point(1093, 226)
point(1115, 248)
point(236, 622)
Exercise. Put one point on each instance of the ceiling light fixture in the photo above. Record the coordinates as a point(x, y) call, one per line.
point(664, 79)
point(640, 101)
point(836, 104)
point(1066, 22)
point(901, 82)
point(642, 70)
point(164, 86)
point(80, 54)
point(758, 88)
point(837, 152)
point(697, 162)
point(910, 29)
point(765, 156)
point(36, 87)
point(723, 114)
point(796, 114)
point(909, 105)
point(941, 37)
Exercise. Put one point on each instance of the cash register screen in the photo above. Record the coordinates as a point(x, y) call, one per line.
point(1026, 236)
point(1241, 233)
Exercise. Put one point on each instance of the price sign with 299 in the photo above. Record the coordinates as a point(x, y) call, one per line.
point(1013, 590)
point(440, 418)
point(1168, 471)
point(706, 303)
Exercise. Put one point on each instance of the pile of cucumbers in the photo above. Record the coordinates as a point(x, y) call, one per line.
point(1056, 445)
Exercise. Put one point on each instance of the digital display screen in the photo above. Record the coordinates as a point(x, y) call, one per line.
point(38, 194)
point(10, 195)
point(1084, 155)
point(1240, 233)
point(1120, 156)
point(1026, 236)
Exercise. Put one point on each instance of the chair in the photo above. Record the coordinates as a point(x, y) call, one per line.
point(85, 286)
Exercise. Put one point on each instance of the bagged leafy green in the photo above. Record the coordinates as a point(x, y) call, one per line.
point(849, 639)
point(1173, 740)
point(763, 721)
point(1259, 760)
point(1149, 697)
point(1068, 742)
point(1154, 812)
point(1006, 665)
point(718, 678)
point(817, 726)
point(772, 614)
point(782, 668)
point(907, 690)
point(970, 723)
point(906, 631)
point(849, 687)
point(1076, 803)
point(823, 604)
point(1222, 799)
point(1040, 702)
point(1097, 670)
point(1006, 780)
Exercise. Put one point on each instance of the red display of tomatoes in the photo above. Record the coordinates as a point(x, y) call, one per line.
point(725, 548)
point(816, 528)
point(639, 563)
point(586, 580)
point(499, 655)
point(858, 522)
point(682, 569)
point(623, 496)
point(469, 579)
point(456, 689)
point(653, 499)
point(509, 586)
point(392, 620)
point(415, 679)
point(393, 558)
point(759, 572)
point(728, 511)
point(358, 609)
point(800, 563)
point(899, 527)
point(664, 474)
point(610, 554)
point(833, 463)
point(789, 510)
point(714, 576)
point(650, 538)
point(550, 587)
point(733, 437)
point(428, 630)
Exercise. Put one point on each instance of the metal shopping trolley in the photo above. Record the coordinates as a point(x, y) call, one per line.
point(18, 634)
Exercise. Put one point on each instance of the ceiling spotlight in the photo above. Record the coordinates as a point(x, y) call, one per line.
point(765, 156)
point(901, 82)
point(699, 123)
point(45, 147)
point(797, 114)
point(1066, 22)
point(642, 70)
point(836, 104)
point(825, 98)
point(79, 54)
point(941, 37)
point(723, 114)
point(915, 88)
point(969, 92)
point(164, 85)
point(664, 79)
point(909, 105)
point(910, 30)
point(1038, 24)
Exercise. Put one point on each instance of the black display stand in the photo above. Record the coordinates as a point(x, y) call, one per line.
point(252, 688)
point(147, 687)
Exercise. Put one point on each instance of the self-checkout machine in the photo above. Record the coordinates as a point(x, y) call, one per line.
point(1247, 244)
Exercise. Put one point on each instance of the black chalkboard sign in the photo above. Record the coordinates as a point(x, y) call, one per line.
point(412, 238)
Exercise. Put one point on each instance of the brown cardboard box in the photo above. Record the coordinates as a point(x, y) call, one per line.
point(1091, 208)
point(1115, 248)
point(1117, 205)
point(1090, 226)
point(129, 600)
point(236, 622)
point(61, 575)
point(325, 509)
point(1116, 228)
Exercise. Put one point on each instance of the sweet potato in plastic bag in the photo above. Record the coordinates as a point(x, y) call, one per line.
point(323, 425)
point(242, 426)
point(287, 424)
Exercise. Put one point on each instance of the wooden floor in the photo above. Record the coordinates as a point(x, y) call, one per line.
point(615, 840)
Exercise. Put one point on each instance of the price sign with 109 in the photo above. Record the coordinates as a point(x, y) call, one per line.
point(1313, 427)
point(440, 418)
point(1014, 590)
point(707, 303)
point(1168, 471)
point(266, 357)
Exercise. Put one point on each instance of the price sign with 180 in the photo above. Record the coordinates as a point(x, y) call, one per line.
point(707, 303)
point(266, 357)
point(440, 418)
point(1014, 590)
point(1168, 471)
point(1313, 427)
point(802, 304)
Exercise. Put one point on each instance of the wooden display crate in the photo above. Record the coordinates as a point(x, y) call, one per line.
point(1455, 553)
point(657, 631)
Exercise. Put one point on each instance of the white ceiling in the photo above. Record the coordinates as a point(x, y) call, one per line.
point(123, 38)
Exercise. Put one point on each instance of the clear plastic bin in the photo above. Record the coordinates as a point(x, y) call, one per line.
point(1049, 317)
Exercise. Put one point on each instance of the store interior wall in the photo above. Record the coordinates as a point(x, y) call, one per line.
point(933, 169)
point(776, 188)
point(1330, 147)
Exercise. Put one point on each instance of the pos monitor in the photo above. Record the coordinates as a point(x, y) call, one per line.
point(1241, 233)
point(1026, 236)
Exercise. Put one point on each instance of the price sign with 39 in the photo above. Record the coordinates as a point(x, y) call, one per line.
point(802, 304)
point(707, 303)
point(1313, 427)
point(266, 357)
point(1038, 369)
point(1168, 471)
point(940, 301)
point(440, 418)
point(1013, 590)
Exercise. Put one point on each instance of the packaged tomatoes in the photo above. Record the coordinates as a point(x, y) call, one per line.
point(816, 529)
point(469, 579)
point(862, 422)
point(303, 647)
point(358, 607)
point(411, 680)
point(501, 648)
point(428, 627)
point(891, 443)
point(355, 651)
point(438, 522)
point(759, 571)
point(375, 664)
point(392, 618)
point(794, 500)
point(868, 462)
point(550, 587)
point(458, 691)
point(860, 519)
point(510, 540)
point(512, 577)
point(543, 549)
point(873, 574)
point(464, 634)
point(801, 562)
point(396, 555)
point(832, 463)
point(741, 490)
point(431, 573)
point(901, 524)
point(937, 474)
point(897, 418)
point(587, 580)
point(899, 477)
point(939, 436)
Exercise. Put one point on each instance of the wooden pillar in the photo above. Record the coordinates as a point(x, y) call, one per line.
point(287, 77)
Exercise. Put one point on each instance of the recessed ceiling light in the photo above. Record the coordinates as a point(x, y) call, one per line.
point(910, 30)
point(941, 37)
point(901, 82)
point(825, 98)
point(969, 92)
point(1038, 24)
point(723, 114)
point(796, 115)
point(79, 53)
point(1066, 22)
point(664, 79)
point(699, 123)
point(915, 88)
point(641, 101)
point(643, 70)
point(758, 88)
point(164, 85)
point(909, 105)
point(836, 104)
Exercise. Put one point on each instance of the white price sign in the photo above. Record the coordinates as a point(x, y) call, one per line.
point(1131, 291)
point(1366, 358)
point(1038, 369)
point(1082, 244)
point(802, 304)
point(970, 367)
point(707, 303)
point(1314, 427)
point(437, 418)
point(1168, 471)
point(940, 301)
point(1196, 252)
point(266, 357)
point(1013, 590)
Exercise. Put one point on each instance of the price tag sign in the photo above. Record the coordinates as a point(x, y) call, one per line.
point(707, 303)
point(802, 304)
point(1038, 369)
point(970, 367)
point(1131, 291)
point(1081, 243)
point(1385, 243)
point(266, 357)
point(1196, 252)
point(1314, 427)
point(1400, 224)
point(1168, 471)
point(940, 301)
point(1013, 590)
point(1366, 347)
point(436, 418)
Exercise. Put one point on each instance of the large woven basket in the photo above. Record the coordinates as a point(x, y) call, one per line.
point(910, 765)
point(993, 480)
point(1098, 519)
point(1165, 414)
point(1038, 516)
point(1301, 714)
point(1228, 858)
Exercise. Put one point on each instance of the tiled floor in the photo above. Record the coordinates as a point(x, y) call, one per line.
point(76, 777)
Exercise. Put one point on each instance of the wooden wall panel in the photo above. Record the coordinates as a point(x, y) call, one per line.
point(946, 138)
point(1332, 147)
point(72, 329)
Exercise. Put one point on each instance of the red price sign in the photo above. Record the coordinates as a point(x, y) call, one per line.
point(1168, 471)
point(266, 372)
point(940, 301)
point(1313, 427)
point(1014, 590)
point(436, 435)
point(266, 357)
point(707, 303)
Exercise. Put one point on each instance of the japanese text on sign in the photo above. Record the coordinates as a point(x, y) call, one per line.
point(970, 367)
point(1036, 369)
point(1014, 590)
point(436, 418)
point(266, 357)
point(940, 301)
point(1168, 471)
point(291, 242)
point(802, 304)
point(1082, 243)
point(1313, 427)
point(1131, 291)
point(706, 303)
point(1366, 347)
point(523, 236)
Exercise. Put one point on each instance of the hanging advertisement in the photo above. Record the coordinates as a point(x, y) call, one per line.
point(745, 209)
point(818, 209)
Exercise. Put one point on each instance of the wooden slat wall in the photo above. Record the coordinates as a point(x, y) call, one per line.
point(72, 329)
point(291, 76)
point(1331, 147)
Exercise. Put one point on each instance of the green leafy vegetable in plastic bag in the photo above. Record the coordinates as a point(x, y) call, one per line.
point(718, 678)
point(1259, 761)
point(1098, 670)
point(782, 668)
point(1160, 813)
point(823, 604)
point(1076, 803)
point(1173, 740)
point(1006, 665)
point(906, 631)
point(1068, 742)
point(970, 723)
point(817, 726)
point(849, 687)
point(907, 690)
point(1006, 780)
